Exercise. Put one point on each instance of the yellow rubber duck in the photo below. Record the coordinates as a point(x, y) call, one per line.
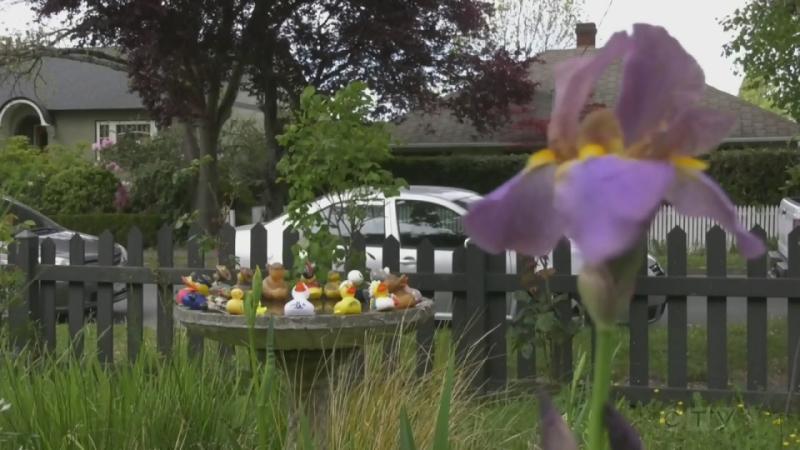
point(349, 304)
point(331, 289)
point(235, 305)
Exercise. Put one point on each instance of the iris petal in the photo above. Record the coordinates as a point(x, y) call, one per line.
point(695, 194)
point(519, 215)
point(574, 81)
point(693, 132)
point(659, 80)
point(608, 203)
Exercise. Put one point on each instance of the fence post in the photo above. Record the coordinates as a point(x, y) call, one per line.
point(77, 308)
point(135, 313)
point(676, 312)
point(639, 367)
point(426, 330)
point(105, 300)
point(717, 311)
point(473, 340)
point(25, 317)
point(757, 324)
point(47, 292)
point(496, 326)
point(391, 259)
point(561, 359)
point(226, 256)
point(793, 314)
point(196, 259)
point(165, 322)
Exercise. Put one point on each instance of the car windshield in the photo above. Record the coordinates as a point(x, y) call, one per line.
point(466, 202)
point(21, 213)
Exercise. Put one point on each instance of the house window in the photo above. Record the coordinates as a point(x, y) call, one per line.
point(116, 130)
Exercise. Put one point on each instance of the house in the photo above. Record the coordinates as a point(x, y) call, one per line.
point(440, 131)
point(71, 102)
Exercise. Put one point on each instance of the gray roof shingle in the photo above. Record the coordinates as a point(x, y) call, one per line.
point(441, 128)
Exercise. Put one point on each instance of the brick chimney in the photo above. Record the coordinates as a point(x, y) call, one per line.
point(585, 34)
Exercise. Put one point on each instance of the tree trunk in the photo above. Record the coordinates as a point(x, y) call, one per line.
point(207, 195)
point(275, 195)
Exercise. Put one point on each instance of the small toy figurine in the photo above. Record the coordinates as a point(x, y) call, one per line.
point(299, 305)
point(357, 280)
point(331, 289)
point(383, 300)
point(274, 290)
point(404, 296)
point(195, 294)
point(245, 278)
point(235, 305)
point(348, 304)
point(262, 311)
point(309, 278)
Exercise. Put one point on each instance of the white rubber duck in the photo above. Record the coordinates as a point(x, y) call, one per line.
point(383, 299)
point(299, 304)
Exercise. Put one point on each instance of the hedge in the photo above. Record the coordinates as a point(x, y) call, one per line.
point(750, 176)
point(118, 224)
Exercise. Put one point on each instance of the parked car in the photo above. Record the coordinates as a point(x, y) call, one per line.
point(788, 220)
point(419, 212)
point(45, 228)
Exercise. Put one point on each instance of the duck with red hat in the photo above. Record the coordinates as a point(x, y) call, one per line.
point(299, 304)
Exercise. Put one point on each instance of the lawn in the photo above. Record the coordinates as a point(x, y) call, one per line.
point(177, 403)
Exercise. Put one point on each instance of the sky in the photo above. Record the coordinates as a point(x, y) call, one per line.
point(693, 22)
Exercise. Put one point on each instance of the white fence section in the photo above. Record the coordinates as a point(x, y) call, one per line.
point(696, 227)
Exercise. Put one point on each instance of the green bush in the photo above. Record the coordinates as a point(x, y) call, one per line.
point(119, 224)
point(80, 189)
point(55, 180)
point(750, 176)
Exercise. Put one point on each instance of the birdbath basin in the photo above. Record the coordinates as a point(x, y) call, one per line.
point(312, 349)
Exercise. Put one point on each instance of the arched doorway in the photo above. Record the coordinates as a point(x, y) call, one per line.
point(23, 117)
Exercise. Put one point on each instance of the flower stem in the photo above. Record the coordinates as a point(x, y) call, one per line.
point(601, 385)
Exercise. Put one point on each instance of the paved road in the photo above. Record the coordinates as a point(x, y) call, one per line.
point(696, 309)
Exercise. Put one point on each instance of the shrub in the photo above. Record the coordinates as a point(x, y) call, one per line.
point(55, 180)
point(79, 189)
point(750, 176)
point(119, 224)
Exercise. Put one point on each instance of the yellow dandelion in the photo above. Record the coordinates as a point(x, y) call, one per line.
point(662, 421)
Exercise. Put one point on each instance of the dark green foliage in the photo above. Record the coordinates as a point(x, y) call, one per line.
point(57, 180)
point(753, 176)
point(118, 224)
point(750, 176)
point(78, 190)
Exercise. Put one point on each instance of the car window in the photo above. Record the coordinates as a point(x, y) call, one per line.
point(373, 229)
point(418, 220)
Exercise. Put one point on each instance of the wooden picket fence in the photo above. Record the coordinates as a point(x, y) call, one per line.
point(479, 283)
point(765, 216)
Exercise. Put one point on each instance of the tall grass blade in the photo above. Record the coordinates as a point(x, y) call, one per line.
point(441, 437)
point(406, 435)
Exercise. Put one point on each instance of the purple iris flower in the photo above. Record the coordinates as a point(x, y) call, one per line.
point(602, 179)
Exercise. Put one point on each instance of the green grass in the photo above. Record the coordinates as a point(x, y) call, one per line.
point(696, 261)
point(178, 403)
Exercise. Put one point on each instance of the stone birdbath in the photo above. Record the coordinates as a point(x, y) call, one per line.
point(309, 348)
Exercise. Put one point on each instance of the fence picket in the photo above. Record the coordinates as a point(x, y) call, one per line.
point(717, 312)
point(793, 313)
point(48, 300)
point(258, 248)
point(526, 364)
point(676, 312)
point(496, 347)
point(757, 324)
point(105, 302)
point(391, 259)
point(639, 366)
point(426, 330)
point(358, 252)
point(290, 238)
point(164, 321)
point(77, 257)
point(561, 363)
point(226, 256)
point(196, 258)
point(135, 313)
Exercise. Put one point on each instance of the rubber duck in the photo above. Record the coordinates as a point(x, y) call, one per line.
point(235, 305)
point(244, 278)
point(331, 289)
point(309, 278)
point(348, 304)
point(274, 287)
point(403, 296)
point(383, 300)
point(356, 278)
point(299, 304)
